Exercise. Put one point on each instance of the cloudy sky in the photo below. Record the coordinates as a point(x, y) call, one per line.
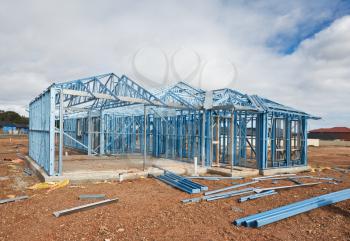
point(293, 52)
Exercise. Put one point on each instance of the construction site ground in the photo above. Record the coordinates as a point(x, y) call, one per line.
point(151, 210)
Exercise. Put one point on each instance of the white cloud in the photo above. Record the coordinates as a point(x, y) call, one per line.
point(47, 42)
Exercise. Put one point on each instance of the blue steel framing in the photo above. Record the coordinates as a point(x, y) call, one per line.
point(108, 114)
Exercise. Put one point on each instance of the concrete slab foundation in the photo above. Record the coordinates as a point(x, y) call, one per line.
point(82, 168)
point(93, 169)
point(275, 171)
point(237, 171)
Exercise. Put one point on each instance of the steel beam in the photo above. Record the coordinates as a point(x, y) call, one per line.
point(2, 201)
point(259, 190)
point(230, 187)
point(91, 196)
point(260, 219)
point(84, 207)
point(257, 195)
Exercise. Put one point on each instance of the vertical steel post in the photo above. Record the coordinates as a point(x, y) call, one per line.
point(243, 128)
point(304, 141)
point(89, 133)
point(203, 139)
point(154, 135)
point(60, 150)
point(166, 144)
point(209, 138)
point(134, 134)
point(180, 134)
point(217, 149)
point(225, 140)
point(141, 134)
point(148, 132)
point(234, 147)
point(185, 134)
point(144, 139)
point(188, 136)
point(273, 141)
point(158, 132)
point(251, 136)
point(199, 135)
point(102, 134)
point(231, 145)
point(193, 136)
point(262, 142)
point(52, 131)
point(174, 136)
point(288, 141)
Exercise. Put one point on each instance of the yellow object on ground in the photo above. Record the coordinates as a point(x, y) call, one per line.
point(320, 169)
point(50, 185)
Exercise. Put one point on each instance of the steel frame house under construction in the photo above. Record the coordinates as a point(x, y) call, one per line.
point(110, 115)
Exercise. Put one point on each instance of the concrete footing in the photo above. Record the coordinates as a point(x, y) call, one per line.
point(275, 171)
point(116, 175)
point(237, 171)
point(180, 168)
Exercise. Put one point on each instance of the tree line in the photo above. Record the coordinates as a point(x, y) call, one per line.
point(13, 117)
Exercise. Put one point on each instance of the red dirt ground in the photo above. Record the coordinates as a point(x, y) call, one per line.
point(151, 210)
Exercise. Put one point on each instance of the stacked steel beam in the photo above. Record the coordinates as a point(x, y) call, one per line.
point(260, 219)
point(181, 183)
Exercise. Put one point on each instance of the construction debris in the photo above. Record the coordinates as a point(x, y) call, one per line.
point(236, 209)
point(92, 196)
point(84, 207)
point(227, 195)
point(181, 183)
point(294, 181)
point(2, 201)
point(272, 177)
point(261, 219)
point(27, 171)
point(214, 178)
point(257, 195)
point(49, 185)
point(298, 177)
point(259, 190)
point(230, 187)
point(192, 200)
point(341, 169)
point(219, 195)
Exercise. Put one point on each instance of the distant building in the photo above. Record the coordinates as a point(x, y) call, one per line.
point(335, 133)
point(10, 128)
point(7, 127)
point(22, 128)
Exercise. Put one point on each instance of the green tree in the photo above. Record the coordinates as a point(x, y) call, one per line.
point(13, 117)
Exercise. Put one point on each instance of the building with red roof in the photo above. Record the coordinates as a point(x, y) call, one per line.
point(335, 133)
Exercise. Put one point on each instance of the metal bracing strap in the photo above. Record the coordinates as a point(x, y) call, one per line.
point(73, 139)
